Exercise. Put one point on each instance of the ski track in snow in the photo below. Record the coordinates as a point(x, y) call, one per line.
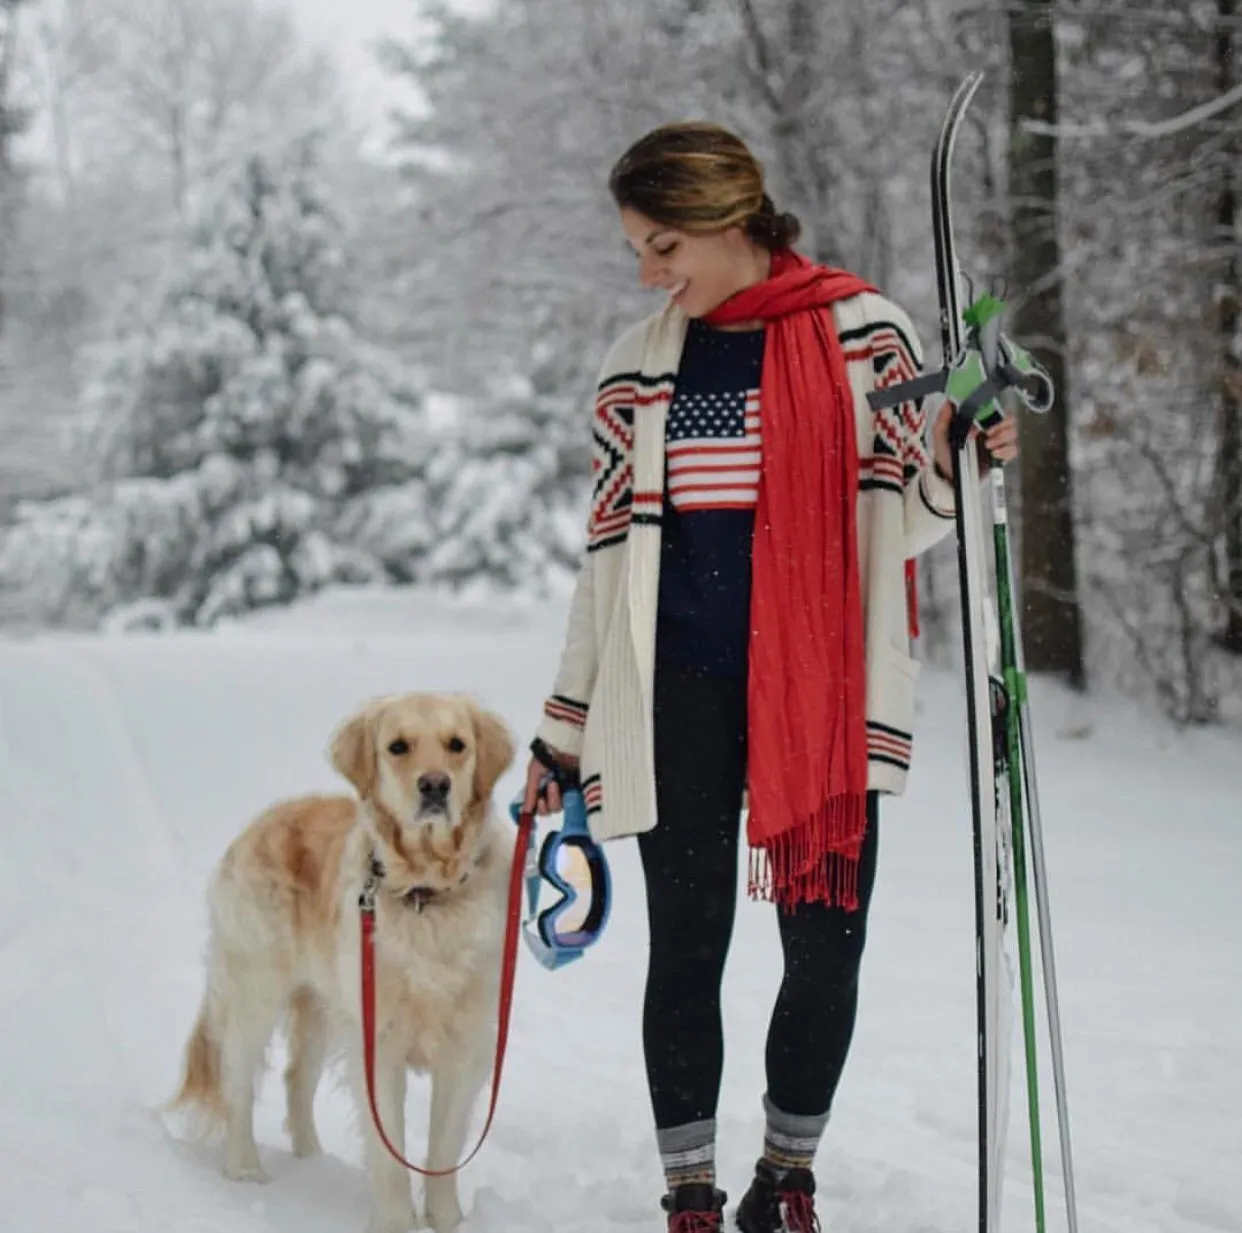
point(126, 765)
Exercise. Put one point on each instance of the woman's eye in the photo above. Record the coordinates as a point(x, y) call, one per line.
point(399, 747)
point(456, 745)
point(667, 250)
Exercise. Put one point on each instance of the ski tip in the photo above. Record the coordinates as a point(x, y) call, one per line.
point(969, 85)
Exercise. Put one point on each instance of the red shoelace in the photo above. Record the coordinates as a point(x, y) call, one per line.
point(695, 1222)
point(800, 1214)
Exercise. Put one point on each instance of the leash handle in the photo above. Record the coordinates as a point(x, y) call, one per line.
point(366, 905)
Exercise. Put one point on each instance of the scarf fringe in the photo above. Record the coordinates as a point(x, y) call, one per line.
point(815, 862)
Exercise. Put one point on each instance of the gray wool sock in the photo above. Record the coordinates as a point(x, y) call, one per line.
point(790, 1140)
point(688, 1153)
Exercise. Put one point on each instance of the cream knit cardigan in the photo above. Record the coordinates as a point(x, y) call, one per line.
point(600, 708)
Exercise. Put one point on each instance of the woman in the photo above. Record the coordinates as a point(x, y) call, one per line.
point(739, 634)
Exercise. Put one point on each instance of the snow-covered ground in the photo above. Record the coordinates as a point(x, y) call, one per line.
point(127, 763)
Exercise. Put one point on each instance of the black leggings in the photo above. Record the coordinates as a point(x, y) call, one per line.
point(690, 863)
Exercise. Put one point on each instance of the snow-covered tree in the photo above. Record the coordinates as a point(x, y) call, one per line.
point(238, 422)
point(1148, 164)
point(509, 490)
point(137, 108)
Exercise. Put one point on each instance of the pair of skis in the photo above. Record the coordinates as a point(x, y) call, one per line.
point(979, 364)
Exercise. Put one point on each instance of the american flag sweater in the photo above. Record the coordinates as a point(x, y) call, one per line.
point(713, 451)
point(600, 705)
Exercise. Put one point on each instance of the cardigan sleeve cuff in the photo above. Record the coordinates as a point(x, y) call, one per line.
point(937, 492)
point(562, 724)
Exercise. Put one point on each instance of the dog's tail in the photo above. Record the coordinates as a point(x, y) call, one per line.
point(200, 1088)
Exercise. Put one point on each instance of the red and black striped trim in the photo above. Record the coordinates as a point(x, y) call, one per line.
point(648, 508)
point(888, 744)
point(593, 794)
point(612, 468)
point(613, 505)
point(566, 710)
point(880, 471)
point(860, 340)
point(898, 430)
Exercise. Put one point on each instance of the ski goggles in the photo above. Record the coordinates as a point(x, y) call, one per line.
point(573, 866)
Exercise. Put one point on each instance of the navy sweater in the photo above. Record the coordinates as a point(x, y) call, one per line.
point(711, 485)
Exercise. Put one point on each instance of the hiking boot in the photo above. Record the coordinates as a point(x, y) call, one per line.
point(787, 1206)
point(695, 1207)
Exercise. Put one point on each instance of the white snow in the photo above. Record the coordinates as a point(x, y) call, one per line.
point(126, 764)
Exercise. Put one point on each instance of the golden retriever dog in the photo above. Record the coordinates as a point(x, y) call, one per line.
point(284, 943)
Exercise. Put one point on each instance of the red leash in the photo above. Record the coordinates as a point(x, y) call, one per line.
point(509, 966)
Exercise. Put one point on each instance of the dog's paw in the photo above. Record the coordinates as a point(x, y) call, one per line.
point(394, 1222)
point(303, 1139)
point(246, 1170)
point(306, 1144)
point(444, 1216)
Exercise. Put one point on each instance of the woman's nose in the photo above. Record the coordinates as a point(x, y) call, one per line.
point(647, 274)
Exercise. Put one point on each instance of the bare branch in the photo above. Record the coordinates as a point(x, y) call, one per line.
point(1147, 129)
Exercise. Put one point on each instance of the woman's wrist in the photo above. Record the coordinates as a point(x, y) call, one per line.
point(553, 759)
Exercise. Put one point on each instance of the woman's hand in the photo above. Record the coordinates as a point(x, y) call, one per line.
point(1001, 441)
point(536, 769)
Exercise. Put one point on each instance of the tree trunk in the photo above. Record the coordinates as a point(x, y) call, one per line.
point(1052, 622)
point(10, 126)
point(1229, 459)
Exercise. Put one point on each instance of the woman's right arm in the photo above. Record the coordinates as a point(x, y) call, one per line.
point(558, 737)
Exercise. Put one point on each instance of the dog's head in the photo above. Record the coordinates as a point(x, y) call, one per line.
point(426, 764)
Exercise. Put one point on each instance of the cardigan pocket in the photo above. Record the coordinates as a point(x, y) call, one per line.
point(890, 726)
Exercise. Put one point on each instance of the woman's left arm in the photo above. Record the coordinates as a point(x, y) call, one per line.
point(928, 497)
point(1000, 442)
point(929, 500)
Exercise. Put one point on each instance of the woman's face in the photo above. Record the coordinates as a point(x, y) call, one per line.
point(699, 272)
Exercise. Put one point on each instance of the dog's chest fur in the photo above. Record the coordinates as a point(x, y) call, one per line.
point(438, 967)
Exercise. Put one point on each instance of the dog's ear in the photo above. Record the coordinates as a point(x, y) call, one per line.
point(352, 751)
point(494, 750)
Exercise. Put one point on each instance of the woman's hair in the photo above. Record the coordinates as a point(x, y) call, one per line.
point(699, 177)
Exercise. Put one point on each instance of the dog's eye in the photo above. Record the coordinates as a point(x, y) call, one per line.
point(398, 747)
point(456, 745)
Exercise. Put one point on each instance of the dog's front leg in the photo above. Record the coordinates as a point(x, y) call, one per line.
point(455, 1084)
point(391, 1194)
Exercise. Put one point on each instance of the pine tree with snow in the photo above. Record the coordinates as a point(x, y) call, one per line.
point(239, 423)
point(509, 490)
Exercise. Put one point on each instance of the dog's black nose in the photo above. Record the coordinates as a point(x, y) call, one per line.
point(434, 785)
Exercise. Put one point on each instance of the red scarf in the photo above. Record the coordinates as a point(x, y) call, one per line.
point(807, 732)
